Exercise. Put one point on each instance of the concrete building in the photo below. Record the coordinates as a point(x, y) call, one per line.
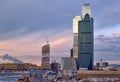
point(105, 64)
point(54, 67)
point(46, 57)
point(98, 74)
point(68, 64)
point(85, 39)
point(101, 65)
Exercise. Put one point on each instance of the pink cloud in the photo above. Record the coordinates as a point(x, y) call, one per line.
point(31, 44)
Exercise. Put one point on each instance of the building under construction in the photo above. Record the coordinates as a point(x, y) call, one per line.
point(46, 57)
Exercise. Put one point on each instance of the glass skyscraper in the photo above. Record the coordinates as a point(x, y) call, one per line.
point(75, 34)
point(85, 39)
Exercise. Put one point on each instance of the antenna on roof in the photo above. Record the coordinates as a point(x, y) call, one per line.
point(47, 40)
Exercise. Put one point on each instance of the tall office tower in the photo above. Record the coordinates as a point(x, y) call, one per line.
point(85, 39)
point(46, 57)
point(75, 34)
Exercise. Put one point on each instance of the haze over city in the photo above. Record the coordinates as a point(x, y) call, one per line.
point(24, 25)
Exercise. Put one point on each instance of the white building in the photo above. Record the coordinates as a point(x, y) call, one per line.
point(75, 33)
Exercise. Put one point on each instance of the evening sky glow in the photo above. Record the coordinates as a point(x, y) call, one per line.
point(24, 25)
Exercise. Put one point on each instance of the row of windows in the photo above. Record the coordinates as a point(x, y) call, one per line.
point(85, 53)
point(85, 47)
point(86, 32)
point(85, 42)
point(85, 27)
point(85, 60)
point(85, 37)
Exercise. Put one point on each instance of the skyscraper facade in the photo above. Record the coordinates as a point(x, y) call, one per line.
point(75, 34)
point(85, 39)
point(46, 57)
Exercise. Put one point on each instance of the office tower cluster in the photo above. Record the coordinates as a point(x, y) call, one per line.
point(83, 47)
point(83, 44)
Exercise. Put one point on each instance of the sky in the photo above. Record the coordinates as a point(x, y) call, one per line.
point(26, 25)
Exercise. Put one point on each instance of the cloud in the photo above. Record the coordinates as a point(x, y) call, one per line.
point(107, 47)
point(24, 25)
point(106, 15)
point(10, 58)
point(37, 59)
point(24, 17)
point(109, 43)
point(18, 18)
point(28, 48)
point(5, 49)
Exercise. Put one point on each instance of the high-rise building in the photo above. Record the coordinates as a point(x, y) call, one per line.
point(85, 39)
point(75, 34)
point(71, 53)
point(46, 57)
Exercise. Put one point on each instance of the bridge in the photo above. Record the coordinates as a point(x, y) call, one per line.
point(97, 74)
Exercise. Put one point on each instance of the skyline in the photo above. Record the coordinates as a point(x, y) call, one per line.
point(24, 25)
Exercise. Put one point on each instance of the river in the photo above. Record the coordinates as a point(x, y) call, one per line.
point(11, 78)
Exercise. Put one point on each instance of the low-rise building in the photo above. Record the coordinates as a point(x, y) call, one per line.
point(54, 67)
point(16, 66)
point(68, 65)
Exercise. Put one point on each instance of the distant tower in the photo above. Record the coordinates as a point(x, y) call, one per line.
point(101, 64)
point(85, 39)
point(71, 53)
point(46, 57)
